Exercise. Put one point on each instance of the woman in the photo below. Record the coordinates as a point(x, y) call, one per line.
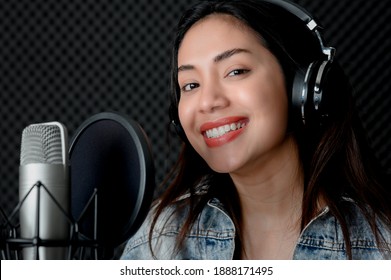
point(257, 178)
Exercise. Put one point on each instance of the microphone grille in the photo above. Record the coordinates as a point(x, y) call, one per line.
point(41, 143)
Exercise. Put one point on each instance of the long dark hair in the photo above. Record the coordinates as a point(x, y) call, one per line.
point(336, 160)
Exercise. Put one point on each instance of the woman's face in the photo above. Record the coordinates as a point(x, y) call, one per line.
point(233, 105)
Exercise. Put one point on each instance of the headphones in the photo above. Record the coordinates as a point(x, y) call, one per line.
point(314, 89)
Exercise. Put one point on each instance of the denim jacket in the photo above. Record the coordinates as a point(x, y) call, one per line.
point(213, 237)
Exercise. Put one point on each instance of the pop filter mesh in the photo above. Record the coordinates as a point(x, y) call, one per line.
point(115, 160)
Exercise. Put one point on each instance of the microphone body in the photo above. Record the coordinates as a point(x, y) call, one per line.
point(44, 191)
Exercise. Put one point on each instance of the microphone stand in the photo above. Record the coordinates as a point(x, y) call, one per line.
point(11, 243)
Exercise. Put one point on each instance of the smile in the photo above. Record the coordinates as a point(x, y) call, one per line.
point(224, 129)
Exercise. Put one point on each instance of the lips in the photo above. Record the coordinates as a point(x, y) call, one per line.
point(222, 131)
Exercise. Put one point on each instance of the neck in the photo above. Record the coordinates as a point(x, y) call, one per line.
point(271, 204)
point(272, 186)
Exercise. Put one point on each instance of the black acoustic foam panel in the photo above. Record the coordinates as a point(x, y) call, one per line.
point(66, 60)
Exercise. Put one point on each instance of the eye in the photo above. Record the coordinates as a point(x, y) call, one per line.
point(237, 72)
point(189, 87)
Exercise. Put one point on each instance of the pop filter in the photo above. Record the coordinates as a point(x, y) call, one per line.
point(110, 155)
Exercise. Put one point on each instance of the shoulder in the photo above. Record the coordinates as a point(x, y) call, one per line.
point(323, 237)
point(213, 226)
point(138, 246)
point(363, 238)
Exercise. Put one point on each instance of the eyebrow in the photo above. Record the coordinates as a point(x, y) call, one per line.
point(222, 56)
point(228, 54)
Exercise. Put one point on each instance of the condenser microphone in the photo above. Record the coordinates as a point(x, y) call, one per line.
point(44, 191)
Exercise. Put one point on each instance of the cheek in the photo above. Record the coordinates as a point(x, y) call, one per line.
point(274, 102)
point(269, 107)
point(187, 118)
point(274, 116)
point(186, 115)
point(182, 113)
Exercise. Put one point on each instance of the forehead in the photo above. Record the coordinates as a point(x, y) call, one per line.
point(221, 19)
point(217, 30)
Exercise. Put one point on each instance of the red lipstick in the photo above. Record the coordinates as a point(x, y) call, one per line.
point(224, 130)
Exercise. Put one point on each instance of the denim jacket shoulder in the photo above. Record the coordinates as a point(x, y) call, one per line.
point(213, 237)
point(322, 238)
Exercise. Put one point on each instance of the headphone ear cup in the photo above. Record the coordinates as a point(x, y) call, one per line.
point(330, 98)
point(318, 96)
point(313, 92)
point(300, 94)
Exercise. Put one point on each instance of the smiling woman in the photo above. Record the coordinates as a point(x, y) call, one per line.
point(235, 80)
point(274, 164)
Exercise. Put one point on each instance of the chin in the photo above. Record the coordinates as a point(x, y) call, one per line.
point(223, 166)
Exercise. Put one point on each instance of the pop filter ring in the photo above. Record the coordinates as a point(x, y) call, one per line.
point(146, 185)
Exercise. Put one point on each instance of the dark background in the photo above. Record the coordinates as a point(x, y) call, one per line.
point(66, 60)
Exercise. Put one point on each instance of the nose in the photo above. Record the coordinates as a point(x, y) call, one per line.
point(212, 97)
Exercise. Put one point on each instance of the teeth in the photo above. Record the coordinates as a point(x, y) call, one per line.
point(221, 130)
